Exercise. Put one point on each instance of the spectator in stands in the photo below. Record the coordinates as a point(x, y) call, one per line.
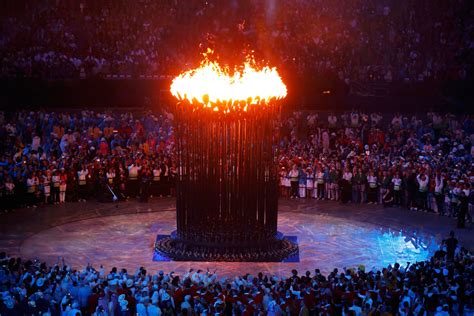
point(65, 40)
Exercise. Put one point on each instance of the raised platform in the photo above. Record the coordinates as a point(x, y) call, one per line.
point(330, 235)
point(281, 249)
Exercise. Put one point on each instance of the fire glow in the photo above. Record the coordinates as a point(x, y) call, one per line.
point(222, 89)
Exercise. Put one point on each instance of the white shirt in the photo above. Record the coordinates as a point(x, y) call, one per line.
point(397, 182)
point(30, 183)
point(372, 180)
point(320, 176)
point(133, 171)
point(82, 174)
point(423, 183)
point(46, 180)
point(294, 174)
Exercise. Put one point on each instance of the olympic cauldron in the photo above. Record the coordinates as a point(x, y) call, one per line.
point(227, 186)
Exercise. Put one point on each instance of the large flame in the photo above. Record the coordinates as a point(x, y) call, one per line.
point(220, 89)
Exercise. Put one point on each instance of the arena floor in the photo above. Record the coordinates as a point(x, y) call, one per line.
point(330, 235)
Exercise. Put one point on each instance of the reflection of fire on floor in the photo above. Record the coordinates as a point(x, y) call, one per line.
point(325, 242)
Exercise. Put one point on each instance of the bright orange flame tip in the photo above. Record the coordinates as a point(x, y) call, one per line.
point(213, 86)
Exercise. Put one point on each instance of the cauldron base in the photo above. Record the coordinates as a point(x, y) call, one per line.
point(281, 249)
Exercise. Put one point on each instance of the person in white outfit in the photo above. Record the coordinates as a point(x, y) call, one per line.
point(62, 186)
point(310, 189)
point(47, 186)
point(439, 193)
point(294, 177)
point(319, 184)
point(423, 181)
point(82, 178)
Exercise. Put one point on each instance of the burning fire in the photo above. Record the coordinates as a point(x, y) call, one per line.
point(221, 89)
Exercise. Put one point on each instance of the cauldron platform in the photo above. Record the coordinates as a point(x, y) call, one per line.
point(279, 249)
point(330, 235)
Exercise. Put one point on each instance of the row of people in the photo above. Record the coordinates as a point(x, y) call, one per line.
point(46, 154)
point(441, 285)
point(424, 162)
point(46, 187)
point(410, 189)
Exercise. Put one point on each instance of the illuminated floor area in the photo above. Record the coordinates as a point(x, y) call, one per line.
point(330, 236)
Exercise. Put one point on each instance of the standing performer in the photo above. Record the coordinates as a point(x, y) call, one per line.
point(287, 183)
point(63, 186)
point(55, 189)
point(397, 189)
point(111, 178)
point(145, 184)
point(31, 190)
point(438, 192)
point(310, 190)
point(373, 188)
point(283, 187)
point(302, 183)
point(333, 184)
point(47, 187)
point(320, 185)
point(451, 244)
point(346, 190)
point(82, 178)
point(423, 181)
point(359, 181)
point(122, 183)
point(165, 179)
point(294, 174)
point(133, 186)
point(385, 184)
point(156, 186)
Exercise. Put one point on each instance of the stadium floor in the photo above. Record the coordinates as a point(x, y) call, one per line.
point(330, 235)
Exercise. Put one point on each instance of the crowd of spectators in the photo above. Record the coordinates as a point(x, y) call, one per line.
point(424, 163)
point(441, 285)
point(348, 39)
point(51, 158)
